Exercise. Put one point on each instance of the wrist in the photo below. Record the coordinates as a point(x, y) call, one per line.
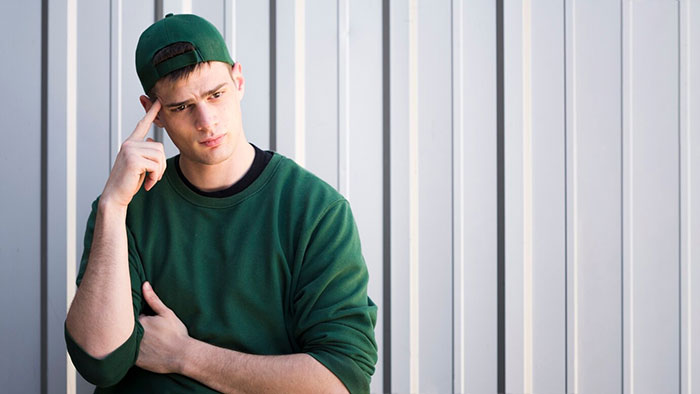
point(107, 207)
point(189, 351)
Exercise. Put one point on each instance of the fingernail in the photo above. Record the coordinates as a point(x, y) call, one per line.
point(147, 285)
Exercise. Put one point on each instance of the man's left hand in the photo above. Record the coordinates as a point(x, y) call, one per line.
point(164, 337)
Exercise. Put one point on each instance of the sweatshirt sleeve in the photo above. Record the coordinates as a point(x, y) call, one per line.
point(111, 369)
point(334, 319)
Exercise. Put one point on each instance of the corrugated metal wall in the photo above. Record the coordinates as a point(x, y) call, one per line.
point(523, 174)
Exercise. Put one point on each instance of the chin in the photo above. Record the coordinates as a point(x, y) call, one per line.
point(218, 156)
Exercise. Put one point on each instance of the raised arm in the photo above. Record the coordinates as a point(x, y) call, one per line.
point(101, 317)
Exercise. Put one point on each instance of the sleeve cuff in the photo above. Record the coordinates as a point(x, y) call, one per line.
point(352, 376)
point(109, 370)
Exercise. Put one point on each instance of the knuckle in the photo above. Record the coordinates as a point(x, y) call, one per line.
point(132, 160)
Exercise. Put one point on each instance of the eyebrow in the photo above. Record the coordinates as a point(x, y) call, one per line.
point(208, 93)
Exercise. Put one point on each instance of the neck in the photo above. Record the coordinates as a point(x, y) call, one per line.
point(220, 176)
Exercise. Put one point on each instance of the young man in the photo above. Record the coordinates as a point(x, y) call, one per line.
point(231, 269)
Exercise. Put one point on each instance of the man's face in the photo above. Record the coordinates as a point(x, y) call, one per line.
point(202, 113)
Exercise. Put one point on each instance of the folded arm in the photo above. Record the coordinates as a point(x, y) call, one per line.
point(166, 347)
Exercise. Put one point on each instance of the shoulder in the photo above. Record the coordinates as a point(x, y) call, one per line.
point(300, 186)
point(305, 202)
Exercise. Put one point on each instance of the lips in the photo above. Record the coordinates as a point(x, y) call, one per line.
point(212, 142)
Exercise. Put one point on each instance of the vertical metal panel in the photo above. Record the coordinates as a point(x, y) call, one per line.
point(651, 182)
point(229, 26)
point(690, 179)
point(93, 122)
point(435, 195)
point(475, 211)
point(290, 72)
point(61, 177)
point(116, 23)
point(362, 146)
point(413, 198)
point(61, 193)
point(252, 47)
point(548, 199)
point(343, 155)
point(321, 87)
point(94, 115)
point(686, 293)
point(211, 10)
point(179, 6)
point(594, 118)
point(691, 242)
point(514, 52)
point(20, 232)
point(401, 353)
point(527, 175)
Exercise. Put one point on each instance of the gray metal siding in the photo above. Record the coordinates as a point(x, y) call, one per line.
point(600, 173)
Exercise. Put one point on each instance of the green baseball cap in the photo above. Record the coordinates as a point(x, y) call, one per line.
point(208, 45)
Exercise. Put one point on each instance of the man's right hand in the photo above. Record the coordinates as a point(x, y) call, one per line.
point(135, 160)
point(101, 316)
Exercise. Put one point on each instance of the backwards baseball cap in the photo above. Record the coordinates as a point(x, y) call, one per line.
point(208, 45)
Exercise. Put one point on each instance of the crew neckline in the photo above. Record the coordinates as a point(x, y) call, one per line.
point(260, 160)
point(174, 180)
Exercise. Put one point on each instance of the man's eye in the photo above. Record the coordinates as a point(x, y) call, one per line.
point(180, 108)
point(217, 94)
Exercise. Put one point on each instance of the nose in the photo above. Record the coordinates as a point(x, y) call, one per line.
point(206, 117)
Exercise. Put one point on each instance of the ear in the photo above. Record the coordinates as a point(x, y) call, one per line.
point(238, 80)
point(146, 103)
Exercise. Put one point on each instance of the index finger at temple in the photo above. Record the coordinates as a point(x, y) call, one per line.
point(144, 124)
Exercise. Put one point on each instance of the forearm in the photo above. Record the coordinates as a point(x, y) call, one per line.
point(101, 316)
point(235, 372)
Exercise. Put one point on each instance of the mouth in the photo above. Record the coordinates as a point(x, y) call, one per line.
point(213, 141)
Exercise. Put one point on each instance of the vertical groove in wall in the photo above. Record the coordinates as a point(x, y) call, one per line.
point(413, 195)
point(458, 225)
point(44, 196)
point(71, 145)
point(115, 77)
point(622, 198)
point(500, 171)
point(273, 75)
point(683, 169)
point(571, 30)
point(343, 97)
point(527, 196)
point(386, 203)
point(71, 163)
point(157, 10)
point(300, 82)
point(685, 195)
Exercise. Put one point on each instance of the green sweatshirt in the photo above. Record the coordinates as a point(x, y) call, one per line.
point(274, 269)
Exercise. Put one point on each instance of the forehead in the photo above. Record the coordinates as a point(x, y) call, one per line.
point(205, 77)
